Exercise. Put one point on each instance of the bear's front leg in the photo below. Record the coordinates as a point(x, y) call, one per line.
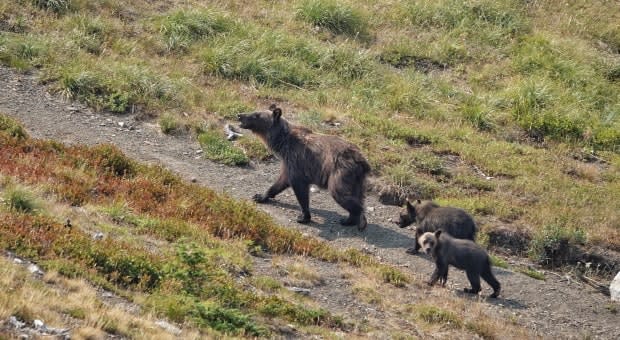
point(302, 192)
point(280, 185)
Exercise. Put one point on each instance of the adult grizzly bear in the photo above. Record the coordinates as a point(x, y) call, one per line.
point(429, 216)
point(307, 158)
point(463, 254)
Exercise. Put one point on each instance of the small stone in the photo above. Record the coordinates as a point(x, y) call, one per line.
point(16, 323)
point(302, 291)
point(168, 327)
point(18, 260)
point(122, 124)
point(614, 288)
point(38, 324)
point(194, 180)
point(34, 269)
point(314, 189)
point(98, 236)
point(199, 151)
point(370, 209)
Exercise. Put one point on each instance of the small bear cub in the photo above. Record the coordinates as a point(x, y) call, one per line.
point(463, 254)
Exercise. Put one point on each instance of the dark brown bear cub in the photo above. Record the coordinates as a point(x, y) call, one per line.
point(463, 254)
point(307, 158)
point(429, 216)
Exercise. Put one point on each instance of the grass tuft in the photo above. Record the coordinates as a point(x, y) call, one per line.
point(335, 16)
point(182, 28)
point(218, 149)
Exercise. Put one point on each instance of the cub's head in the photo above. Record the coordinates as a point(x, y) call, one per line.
point(429, 241)
point(260, 122)
point(408, 215)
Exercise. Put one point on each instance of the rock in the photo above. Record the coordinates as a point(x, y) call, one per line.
point(199, 151)
point(98, 236)
point(34, 269)
point(17, 260)
point(302, 291)
point(38, 324)
point(16, 323)
point(370, 209)
point(122, 124)
point(168, 327)
point(314, 189)
point(614, 288)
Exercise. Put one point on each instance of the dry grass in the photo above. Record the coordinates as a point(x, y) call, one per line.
point(74, 303)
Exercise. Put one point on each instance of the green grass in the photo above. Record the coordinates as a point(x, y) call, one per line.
point(217, 148)
point(20, 200)
point(435, 315)
point(533, 273)
point(335, 16)
point(494, 84)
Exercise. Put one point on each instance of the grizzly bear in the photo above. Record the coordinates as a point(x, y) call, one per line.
point(429, 216)
point(463, 254)
point(308, 158)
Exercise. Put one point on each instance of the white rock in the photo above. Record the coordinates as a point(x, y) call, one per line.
point(122, 124)
point(38, 324)
point(17, 260)
point(16, 323)
point(34, 269)
point(614, 288)
point(98, 236)
point(314, 189)
point(168, 327)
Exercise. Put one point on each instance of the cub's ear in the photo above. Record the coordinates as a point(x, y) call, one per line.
point(437, 233)
point(273, 107)
point(276, 114)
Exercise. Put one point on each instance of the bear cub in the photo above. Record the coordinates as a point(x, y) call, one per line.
point(463, 254)
point(430, 217)
point(307, 158)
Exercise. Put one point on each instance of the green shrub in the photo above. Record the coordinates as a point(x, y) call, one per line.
point(22, 51)
point(554, 244)
point(334, 16)
point(12, 127)
point(20, 200)
point(109, 158)
point(56, 6)
point(226, 320)
point(218, 149)
point(168, 123)
point(432, 314)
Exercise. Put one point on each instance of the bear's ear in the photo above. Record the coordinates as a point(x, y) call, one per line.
point(437, 233)
point(419, 201)
point(276, 114)
point(409, 206)
point(273, 107)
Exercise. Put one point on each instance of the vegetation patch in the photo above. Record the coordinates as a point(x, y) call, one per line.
point(217, 148)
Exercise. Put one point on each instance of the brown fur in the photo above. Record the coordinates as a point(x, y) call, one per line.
point(463, 254)
point(429, 216)
point(308, 158)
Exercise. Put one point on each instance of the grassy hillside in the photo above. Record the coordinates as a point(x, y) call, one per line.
point(510, 109)
point(189, 258)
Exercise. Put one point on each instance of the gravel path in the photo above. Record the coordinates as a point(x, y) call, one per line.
point(556, 308)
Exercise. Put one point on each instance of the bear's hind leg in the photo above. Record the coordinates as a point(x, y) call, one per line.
point(487, 275)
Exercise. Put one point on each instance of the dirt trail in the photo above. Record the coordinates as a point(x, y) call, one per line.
point(555, 308)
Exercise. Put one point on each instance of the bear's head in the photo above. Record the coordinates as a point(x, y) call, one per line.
point(408, 215)
point(429, 241)
point(260, 122)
